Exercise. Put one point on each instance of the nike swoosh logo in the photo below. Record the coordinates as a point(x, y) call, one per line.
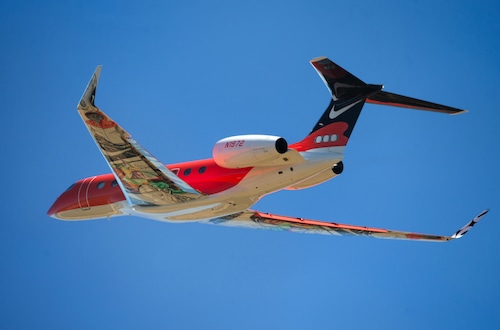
point(334, 113)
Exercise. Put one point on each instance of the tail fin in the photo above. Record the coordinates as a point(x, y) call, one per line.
point(349, 94)
point(348, 97)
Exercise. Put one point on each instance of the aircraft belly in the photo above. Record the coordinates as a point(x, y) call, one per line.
point(262, 181)
point(258, 182)
point(208, 207)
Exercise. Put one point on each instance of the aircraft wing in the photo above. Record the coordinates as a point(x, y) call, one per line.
point(143, 178)
point(255, 219)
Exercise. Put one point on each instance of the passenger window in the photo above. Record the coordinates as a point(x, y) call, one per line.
point(100, 185)
point(114, 183)
point(202, 169)
point(187, 171)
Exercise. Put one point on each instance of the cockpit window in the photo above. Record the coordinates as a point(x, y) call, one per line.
point(69, 188)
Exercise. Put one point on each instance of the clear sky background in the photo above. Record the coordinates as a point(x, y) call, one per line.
point(180, 75)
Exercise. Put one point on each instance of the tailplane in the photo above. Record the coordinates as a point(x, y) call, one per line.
point(386, 98)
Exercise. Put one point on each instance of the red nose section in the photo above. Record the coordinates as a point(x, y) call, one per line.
point(53, 210)
point(88, 198)
point(68, 200)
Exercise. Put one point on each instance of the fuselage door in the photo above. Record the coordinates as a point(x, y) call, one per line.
point(83, 193)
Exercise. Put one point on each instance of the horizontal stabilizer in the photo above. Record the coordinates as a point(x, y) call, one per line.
point(386, 98)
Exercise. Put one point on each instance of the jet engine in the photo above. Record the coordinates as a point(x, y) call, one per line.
point(338, 168)
point(248, 150)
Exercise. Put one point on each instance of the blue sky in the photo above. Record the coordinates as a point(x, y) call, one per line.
point(181, 75)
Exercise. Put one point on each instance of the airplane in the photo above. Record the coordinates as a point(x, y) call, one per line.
point(244, 168)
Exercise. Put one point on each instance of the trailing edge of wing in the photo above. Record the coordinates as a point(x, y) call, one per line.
point(255, 219)
point(391, 99)
point(143, 178)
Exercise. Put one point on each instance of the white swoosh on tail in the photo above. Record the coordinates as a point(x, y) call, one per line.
point(334, 113)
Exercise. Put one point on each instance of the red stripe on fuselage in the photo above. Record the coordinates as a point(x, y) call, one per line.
point(329, 136)
point(207, 177)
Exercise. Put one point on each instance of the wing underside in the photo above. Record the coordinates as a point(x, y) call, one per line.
point(255, 219)
point(143, 178)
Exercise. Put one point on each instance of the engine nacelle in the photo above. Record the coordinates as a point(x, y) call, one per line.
point(338, 168)
point(248, 150)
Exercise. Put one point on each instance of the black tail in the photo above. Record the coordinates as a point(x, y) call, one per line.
point(348, 97)
point(349, 94)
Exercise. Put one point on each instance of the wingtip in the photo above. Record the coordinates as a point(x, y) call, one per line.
point(89, 93)
point(317, 59)
point(97, 72)
point(459, 112)
point(462, 231)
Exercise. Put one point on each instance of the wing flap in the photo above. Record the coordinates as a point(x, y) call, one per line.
point(255, 219)
point(143, 178)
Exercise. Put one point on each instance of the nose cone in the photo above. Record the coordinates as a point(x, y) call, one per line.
point(58, 206)
point(66, 201)
point(52, 212)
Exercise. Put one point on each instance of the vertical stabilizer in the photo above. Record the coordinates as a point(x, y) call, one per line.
point(349, 94)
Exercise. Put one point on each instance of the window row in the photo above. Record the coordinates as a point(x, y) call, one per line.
point(101, 184)
point(188, 171)
point(114, 183)
point(326, 138)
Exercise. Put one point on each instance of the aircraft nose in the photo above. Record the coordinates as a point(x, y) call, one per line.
point(55, 208)
point(64, 202)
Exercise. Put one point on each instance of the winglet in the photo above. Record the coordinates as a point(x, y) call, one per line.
point(89, 94)
point(462, 231)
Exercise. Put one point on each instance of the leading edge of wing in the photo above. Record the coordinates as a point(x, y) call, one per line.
point(255, 219)
point(143, 178)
